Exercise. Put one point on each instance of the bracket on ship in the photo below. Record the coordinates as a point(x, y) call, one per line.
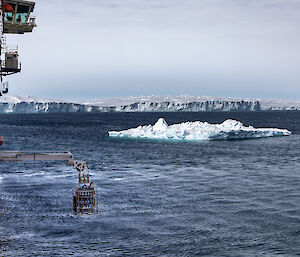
point(84, 197)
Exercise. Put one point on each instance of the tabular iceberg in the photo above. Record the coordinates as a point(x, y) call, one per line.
point(198, 131)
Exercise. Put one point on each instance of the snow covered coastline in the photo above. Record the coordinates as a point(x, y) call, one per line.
point(17, 104)
point(198, 131)
point(194, 103)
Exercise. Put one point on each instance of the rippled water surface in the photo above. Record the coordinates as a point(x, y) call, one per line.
point(156, 198)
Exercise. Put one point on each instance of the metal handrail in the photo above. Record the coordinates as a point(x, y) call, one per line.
point(11, 48)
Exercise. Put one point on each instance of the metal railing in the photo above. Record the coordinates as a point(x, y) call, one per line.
point(10, 49)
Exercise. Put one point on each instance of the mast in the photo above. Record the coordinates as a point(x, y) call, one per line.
point(2, 89)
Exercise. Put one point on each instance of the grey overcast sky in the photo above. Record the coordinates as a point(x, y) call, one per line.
point(85, 49)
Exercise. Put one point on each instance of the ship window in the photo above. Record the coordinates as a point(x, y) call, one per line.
point(22, 9)
point(8, 16)
point(21, 17)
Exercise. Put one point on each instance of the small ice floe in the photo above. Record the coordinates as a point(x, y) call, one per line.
point(198, 131)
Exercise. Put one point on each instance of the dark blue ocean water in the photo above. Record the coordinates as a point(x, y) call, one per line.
point(156, 198)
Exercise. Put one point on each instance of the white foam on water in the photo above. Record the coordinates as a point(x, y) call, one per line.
point(118, 179)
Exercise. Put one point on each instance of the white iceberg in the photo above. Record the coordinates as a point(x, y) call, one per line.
point(198, 131)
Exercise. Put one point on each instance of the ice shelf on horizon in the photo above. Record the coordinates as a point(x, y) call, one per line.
point(185, 103)
point(198, 131)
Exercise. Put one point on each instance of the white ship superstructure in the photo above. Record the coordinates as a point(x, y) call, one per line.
point(16, 18)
